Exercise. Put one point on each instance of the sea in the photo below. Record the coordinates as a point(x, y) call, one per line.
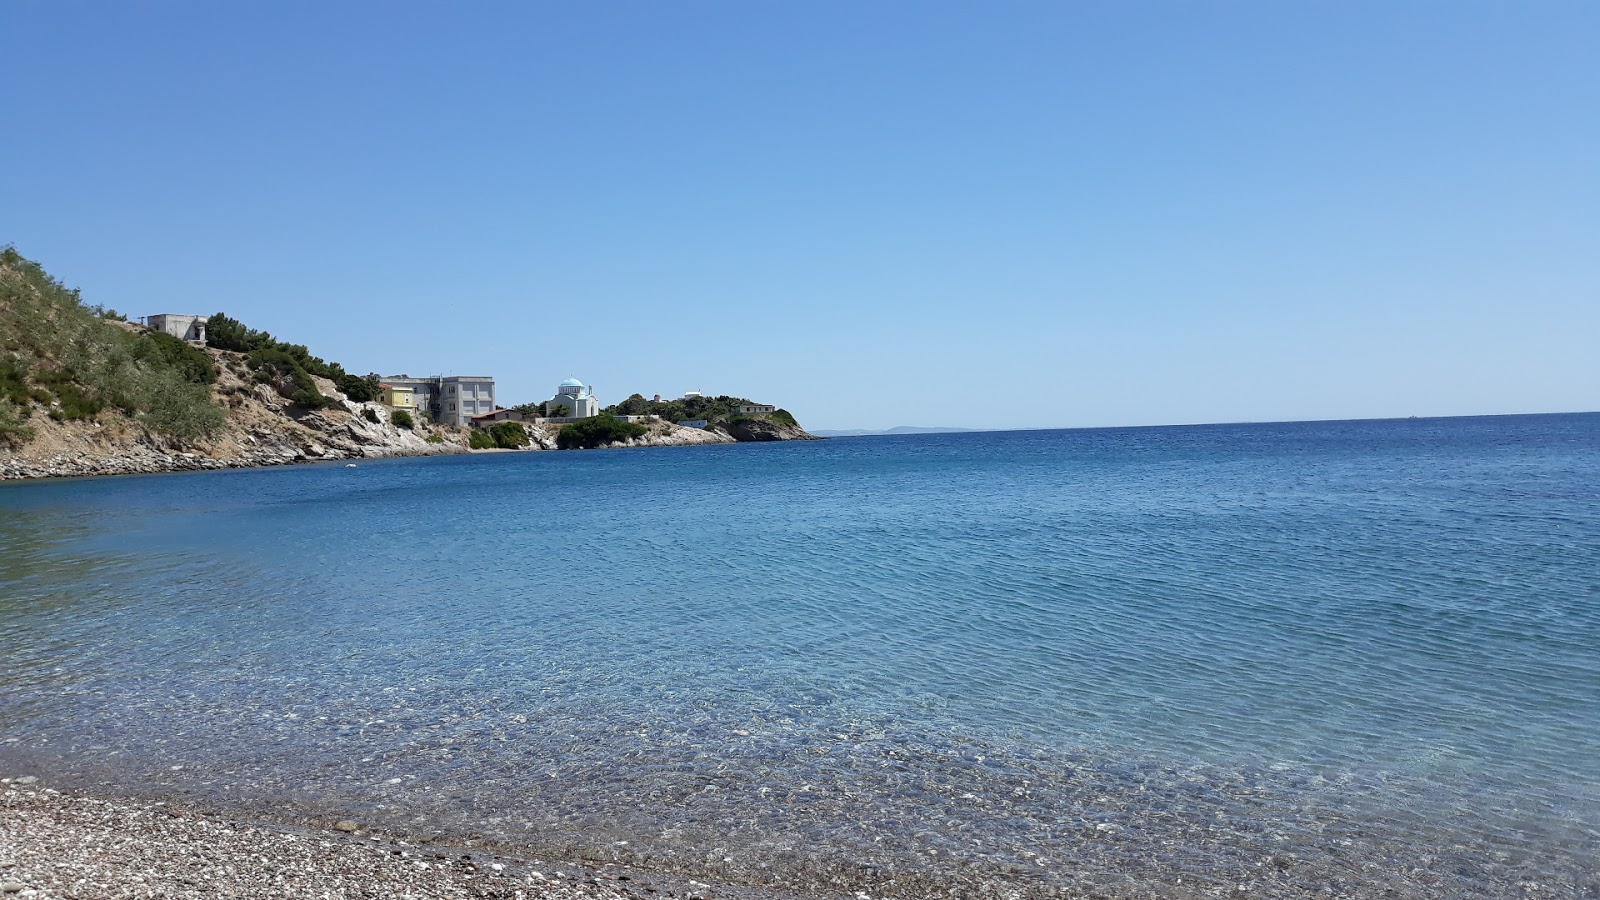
point(1342, 659)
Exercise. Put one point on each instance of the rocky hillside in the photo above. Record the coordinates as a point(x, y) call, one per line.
point(260, 428)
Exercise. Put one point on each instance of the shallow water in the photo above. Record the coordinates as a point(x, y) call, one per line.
point(1355, 657)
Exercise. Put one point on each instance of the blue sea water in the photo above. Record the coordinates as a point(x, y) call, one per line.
point(1359, 657)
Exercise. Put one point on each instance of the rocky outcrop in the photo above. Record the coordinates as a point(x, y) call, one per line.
point(762, 428)
point(666, 434)
point(262, 429)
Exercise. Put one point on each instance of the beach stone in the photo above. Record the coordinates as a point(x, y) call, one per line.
point(346, 826)
point(11, 887)
point(26, 779)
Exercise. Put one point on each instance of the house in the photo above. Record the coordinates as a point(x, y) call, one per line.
point(184, 328)
point(694, 423)
point(397, 396)
point(756, 408)
point(449, 399)
point(573, 396)
point(499, 415)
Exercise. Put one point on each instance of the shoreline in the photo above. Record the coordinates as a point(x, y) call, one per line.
point(77, 844)
point(142, 460)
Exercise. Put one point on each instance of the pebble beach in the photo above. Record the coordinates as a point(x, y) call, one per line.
point(71, 845)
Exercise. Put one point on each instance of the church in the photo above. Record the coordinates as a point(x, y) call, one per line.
point(579, 401)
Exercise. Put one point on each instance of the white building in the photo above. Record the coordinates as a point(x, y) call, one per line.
point(579, 400)
point(184, 328)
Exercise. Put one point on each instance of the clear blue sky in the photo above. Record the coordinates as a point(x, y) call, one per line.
point(872, 213)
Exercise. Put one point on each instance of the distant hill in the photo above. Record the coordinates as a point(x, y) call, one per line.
point(898, 429)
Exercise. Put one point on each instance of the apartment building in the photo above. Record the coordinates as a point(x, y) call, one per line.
point(449, 399)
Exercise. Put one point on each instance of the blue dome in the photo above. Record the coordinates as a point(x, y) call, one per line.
point(572, 382)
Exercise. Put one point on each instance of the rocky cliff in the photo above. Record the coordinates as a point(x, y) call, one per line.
point(765, 428)
point(262, 429)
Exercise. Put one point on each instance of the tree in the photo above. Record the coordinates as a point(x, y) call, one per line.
point(596, 431)
point(227, 333)
point(559, 411)
point(402, 419)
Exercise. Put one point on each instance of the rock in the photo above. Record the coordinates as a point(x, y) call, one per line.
point(26, 779)
point(748, 429)
point(346, 826)
point(11, 887)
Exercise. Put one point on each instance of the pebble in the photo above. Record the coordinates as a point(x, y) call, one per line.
point(11, 887)
point(346, 826)
point(26, 779)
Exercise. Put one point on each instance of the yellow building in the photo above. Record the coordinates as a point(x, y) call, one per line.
point(396, 397)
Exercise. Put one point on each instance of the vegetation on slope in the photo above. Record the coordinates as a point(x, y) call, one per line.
point(597, 430)
point(715, 410)
point(73, 361)
point(290, 364)
point(505, 435)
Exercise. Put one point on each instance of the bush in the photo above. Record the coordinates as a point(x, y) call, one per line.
point(14, 383)
point(189, 362)
point(184, 411)
point(402, 419)
point(360, 388)
point(227, 333)
point(435, 439)
point(596, 431)
point(281, 369)
point(14, 429)
point(479, 440)
point(370, 414)
point(509, 435)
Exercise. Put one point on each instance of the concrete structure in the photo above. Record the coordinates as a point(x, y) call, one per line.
point(449, 399)
point(756, 408)
point(184, 328)
point(399, 397)
point(578, 399)
point(694, 423)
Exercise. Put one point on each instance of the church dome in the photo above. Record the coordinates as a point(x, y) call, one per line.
point(572, 382)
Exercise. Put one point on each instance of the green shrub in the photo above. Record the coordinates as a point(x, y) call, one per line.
point(183, 411)
point(479, 440)
point(360, 388)
point(435, 439)
point(14, 383)
point(14, 428)
point(509, 435)
point(190, 363)
point(74, 403)
point(402, 419)
point(283, 370)
point(370, 414)
point(597, 430)
point(227, 333)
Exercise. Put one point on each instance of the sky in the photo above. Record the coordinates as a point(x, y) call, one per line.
point(871, 213)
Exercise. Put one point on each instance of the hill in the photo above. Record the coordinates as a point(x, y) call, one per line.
point(82, 392)
point(722, 414)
